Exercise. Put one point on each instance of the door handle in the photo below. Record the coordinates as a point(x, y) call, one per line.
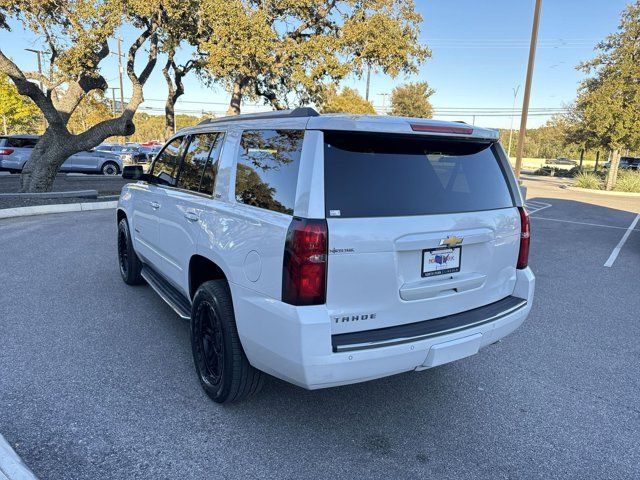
point(154, 205)
point(192, 217)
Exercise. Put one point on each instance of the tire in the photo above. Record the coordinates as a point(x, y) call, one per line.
point(223, 369)
point(110, 168)
point(129, 263)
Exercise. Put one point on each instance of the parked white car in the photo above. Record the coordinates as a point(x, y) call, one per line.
point(329, 249)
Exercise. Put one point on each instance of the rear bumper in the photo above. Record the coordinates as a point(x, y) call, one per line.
point(294, 343)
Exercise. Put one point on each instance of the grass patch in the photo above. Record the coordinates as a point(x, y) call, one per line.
point(587, 180)
point(628, 181)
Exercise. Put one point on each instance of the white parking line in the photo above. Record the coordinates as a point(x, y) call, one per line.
point(534, 206)
point(579, 223)
point(616, 250)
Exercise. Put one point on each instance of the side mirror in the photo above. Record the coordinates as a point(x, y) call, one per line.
point(133, 172)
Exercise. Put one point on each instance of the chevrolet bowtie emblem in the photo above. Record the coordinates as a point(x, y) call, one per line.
point(451, 241)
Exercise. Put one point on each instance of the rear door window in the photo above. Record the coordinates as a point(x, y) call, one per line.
point(376, 175)
point(211, 168)
point(195, 160)
point(267, 171)
point(165, 167)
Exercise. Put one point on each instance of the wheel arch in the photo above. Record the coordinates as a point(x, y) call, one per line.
point(120, 214)
point(203, 269)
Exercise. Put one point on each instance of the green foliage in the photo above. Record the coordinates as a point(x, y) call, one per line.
point(91, 110)
point(152, 127)
point(412, 100)
point(347, 101)
point(552, 140)
point(286, 50)
point(588, 180)
point(628, 181)
point(18, 114)
point(607, 109)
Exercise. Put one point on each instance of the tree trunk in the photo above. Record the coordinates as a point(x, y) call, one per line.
point(56, 145)
point(49, 154)
point(612, 176)
point(236, 98)
point(170, 116)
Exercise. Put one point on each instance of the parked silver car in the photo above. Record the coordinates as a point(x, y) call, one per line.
point(15, 151)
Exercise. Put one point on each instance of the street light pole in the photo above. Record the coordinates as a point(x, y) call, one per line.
point(513, 113)
point(527, 87)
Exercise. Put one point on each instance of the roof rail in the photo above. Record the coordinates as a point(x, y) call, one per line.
point(295, 113)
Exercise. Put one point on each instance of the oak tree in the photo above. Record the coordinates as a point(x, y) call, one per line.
point(607, 109)
point(346, 101)
point(412, 100)
point(75, 34)
point(285, 51)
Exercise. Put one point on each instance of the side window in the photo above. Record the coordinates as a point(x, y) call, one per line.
point(22, 142)
point(211, 169)
point(165, 167)
point(195, 160)
point(267, 171)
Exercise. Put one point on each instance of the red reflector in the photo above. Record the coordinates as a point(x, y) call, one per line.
point(304, 270)
point(422, 127)
point(525, 237)
point(6, 151)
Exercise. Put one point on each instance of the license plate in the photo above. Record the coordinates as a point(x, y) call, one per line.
point(440, 261)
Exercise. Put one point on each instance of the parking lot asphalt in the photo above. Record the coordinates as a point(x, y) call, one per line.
point(97, 381)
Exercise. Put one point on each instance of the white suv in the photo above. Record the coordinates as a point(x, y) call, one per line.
point(329, 249)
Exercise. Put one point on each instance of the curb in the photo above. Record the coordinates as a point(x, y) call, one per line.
point(89, 177)
point(604, 192)
point(66, 194)
point(11, 465)
point(61, 208)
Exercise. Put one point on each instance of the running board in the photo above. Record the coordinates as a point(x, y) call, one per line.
point(176, 300)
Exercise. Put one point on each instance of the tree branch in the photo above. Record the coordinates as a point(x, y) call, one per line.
point(29, 89)
point(138, 81)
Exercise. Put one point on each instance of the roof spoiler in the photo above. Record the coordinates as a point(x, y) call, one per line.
point(294, 113)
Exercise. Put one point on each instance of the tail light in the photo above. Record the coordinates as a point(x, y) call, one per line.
point(6, 151)
point(304, 272)
point(423, 127)
point(525, 237)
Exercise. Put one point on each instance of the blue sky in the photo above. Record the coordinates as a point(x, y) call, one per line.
point(480, 51)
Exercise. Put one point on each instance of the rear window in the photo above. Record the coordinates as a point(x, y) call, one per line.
point(17, 142)
point(267, 173)
point(380, 175)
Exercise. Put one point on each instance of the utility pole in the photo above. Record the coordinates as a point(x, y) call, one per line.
point(42, 89)
point(513, 114)
point(120, 71)
point(527, 87)
point(113, 96)
point(38, 53)
point(366, 96)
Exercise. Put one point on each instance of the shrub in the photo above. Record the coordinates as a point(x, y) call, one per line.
point(628, 181)
point(587, 180)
